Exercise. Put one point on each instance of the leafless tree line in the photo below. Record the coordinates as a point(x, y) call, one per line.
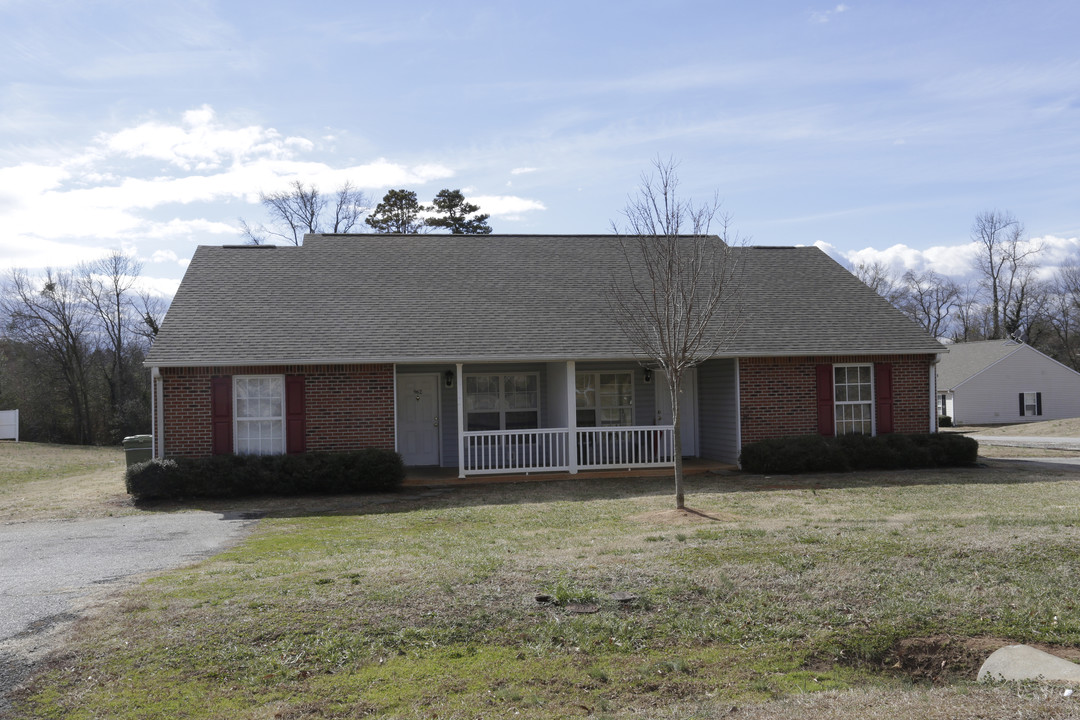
point(71, 350)
point(1010, 296)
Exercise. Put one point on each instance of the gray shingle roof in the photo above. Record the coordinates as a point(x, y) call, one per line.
point(380, 298)
point(966, 359)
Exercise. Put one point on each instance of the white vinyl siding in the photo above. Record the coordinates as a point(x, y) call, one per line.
point(990, 397)
point(259, 414)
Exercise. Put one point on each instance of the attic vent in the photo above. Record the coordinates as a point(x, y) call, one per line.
point(249, 247)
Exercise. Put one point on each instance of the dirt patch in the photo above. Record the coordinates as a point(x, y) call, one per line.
point(686, 516)
point(943, 659)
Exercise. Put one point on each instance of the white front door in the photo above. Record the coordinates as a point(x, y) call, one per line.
point(687, 408)
point(418, 419)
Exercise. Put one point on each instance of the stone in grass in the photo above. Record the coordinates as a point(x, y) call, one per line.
point(1023, 662)
point(623, 597)
point(582, 608)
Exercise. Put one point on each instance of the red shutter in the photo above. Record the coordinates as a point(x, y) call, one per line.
point(221, 437)
point(825, 403)
point(295, 415)
point(883, 397)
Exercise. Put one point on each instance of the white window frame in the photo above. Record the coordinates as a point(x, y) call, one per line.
point(943, 404)
point(1034, 404)
point(597, 407)
point(837, 404)
point(237, 420)
point(502, 409)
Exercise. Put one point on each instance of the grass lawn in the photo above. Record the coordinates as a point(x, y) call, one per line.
point(851, 596)
point(41, 481)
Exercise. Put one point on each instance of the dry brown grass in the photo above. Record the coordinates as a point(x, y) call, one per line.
point(39, 481)
point(1069, 427)
point(1028, 703)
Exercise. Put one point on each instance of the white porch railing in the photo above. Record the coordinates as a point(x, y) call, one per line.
point(548, 449)
point(628, 447)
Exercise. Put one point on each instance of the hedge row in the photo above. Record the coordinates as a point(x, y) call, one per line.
point(814, 453)
point(370, 470)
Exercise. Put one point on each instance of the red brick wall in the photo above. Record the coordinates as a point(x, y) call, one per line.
point(778, 395)
point(348, 406)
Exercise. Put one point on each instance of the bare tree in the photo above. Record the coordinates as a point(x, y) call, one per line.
point(151, 311)
point(878, 277)
point(105, 285)
point(1062, 314)
point(302, 209)
point(675, 295)
point(930, 300)
point(1004, 261)
point(49, 314)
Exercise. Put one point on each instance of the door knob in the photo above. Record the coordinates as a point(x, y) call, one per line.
point(436, 423)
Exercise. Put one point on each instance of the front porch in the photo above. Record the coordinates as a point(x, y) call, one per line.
point(559, 417)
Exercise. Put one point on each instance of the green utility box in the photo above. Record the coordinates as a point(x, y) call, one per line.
point(138, 448)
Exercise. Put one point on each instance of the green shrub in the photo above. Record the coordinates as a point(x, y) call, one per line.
point(369, 470)
point(815, 453)
point(944, 421)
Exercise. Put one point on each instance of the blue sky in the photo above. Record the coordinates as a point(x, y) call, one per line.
point(874, 129)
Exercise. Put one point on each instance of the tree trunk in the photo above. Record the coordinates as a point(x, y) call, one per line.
point(674, 384)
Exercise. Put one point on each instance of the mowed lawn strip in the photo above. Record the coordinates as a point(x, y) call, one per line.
point(772, 588)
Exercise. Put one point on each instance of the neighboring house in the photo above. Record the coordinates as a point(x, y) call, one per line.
point(1004, 381)
point(499, 354)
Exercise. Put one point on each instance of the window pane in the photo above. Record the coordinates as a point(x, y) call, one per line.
point(615, 416)
point(586, 392)
point(259, 425)
point(586, 418)
point(483, 421)
point(521, 420)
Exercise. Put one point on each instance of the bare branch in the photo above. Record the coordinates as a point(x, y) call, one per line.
point(675, 296)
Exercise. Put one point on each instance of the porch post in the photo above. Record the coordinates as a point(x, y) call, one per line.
point(571, 415)
point(460, 424)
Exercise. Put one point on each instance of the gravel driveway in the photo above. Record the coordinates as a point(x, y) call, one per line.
point(49, 570)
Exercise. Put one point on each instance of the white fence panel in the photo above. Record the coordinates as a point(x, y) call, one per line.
point(9, 425)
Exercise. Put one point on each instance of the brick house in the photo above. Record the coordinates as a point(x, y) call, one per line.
point(498, 354)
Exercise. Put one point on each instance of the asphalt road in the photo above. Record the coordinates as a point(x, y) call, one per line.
point(48, 569)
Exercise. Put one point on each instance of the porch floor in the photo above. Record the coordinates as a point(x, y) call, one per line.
point(448, 477)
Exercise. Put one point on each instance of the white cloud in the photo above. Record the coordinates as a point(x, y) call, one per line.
point(824, 16)
point(200, 143)
point(957, 261)
point(41, 252)
point(66, 211)
point(508, 207)
point(522, 170)
point(159, 286)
